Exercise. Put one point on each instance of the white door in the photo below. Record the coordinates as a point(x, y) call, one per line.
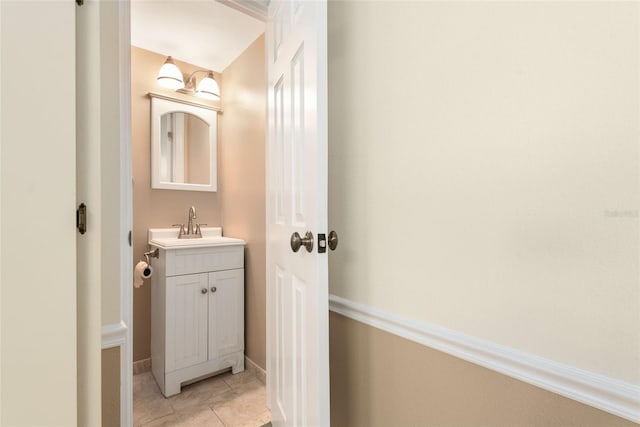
point(297, 294)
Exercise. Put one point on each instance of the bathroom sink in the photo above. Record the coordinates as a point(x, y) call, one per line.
point(167, 238)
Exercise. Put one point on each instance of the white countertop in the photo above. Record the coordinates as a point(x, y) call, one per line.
point(167, 238)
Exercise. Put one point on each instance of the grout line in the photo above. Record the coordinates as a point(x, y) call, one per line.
point(218, 416)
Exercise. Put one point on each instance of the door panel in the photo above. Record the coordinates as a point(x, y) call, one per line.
point(297, 139)
point(187, 320)
point(226, 312)
point(299, 288)
point(297, 294)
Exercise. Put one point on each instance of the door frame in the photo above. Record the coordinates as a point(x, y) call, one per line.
point(122, 335)
point(126, 213)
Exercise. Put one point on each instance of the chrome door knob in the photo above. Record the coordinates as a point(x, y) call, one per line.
point(297, 241)
point(333, 240)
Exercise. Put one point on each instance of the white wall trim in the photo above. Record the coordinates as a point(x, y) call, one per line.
point(614, 396)
point(114, 335)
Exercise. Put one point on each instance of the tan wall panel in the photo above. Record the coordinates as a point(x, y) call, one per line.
point(242, 183)
point(380, 379)
point(155, 208)
point(111, 387)
point(483, 171)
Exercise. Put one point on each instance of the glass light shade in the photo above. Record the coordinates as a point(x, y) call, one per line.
point(208, 88)
point(170, 76)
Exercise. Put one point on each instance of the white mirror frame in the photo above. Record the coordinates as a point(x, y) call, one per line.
point(161, 105)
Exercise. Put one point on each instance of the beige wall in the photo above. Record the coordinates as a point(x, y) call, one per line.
point(484, 171)
point(111, 387)
point(37, 203)
point(155, 208)
point(380, 379)
point(242, 188)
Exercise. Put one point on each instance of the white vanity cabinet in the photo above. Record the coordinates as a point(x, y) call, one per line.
point(197, 313)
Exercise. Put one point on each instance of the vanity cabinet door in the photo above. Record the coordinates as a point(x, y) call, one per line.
point(186, 323)
point(226, 312)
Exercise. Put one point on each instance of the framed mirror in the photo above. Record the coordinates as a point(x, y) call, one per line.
point(183, 145)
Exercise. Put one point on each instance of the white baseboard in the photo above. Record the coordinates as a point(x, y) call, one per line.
point(608, 394)
point(141, 366)
point(252, 366)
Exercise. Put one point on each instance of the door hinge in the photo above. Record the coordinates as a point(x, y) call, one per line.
point(79, 2)
point(81, 218)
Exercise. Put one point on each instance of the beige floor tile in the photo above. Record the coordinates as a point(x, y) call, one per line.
point(149, 408)
point(239, 378)
point(198, 394)
point(169, 420)
point(246, 407)
point(144, 385)
point(223, 401)
point(192, 417)
point(198, 419)
point(222, 398)
point(251, 387)
point(259, 421)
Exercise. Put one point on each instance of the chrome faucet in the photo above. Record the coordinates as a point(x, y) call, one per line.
point(192, 216)
point(193, 230)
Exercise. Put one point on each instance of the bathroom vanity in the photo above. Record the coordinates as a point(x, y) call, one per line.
point(197, 307)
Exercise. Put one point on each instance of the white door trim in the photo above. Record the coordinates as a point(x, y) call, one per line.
point(126, 214)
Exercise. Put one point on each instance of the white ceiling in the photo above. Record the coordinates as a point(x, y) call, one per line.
point(205, 33)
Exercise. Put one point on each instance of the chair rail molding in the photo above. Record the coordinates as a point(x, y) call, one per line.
point(608, 394)
point(114, 335)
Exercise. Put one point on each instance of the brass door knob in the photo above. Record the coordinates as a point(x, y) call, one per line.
point(297, 241)
point(333, 240)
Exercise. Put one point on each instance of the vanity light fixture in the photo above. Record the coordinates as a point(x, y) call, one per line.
point(208, 88)
point(171, 77)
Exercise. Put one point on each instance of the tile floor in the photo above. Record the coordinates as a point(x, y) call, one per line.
point(225, 400)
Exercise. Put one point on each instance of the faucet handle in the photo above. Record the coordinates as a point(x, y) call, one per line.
point(198, 231)
point(181, 233)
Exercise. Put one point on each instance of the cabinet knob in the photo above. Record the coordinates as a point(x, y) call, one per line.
point(204, 290)
point(213, 289)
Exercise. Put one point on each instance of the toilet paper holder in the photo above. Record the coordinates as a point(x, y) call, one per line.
point(151, 254)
